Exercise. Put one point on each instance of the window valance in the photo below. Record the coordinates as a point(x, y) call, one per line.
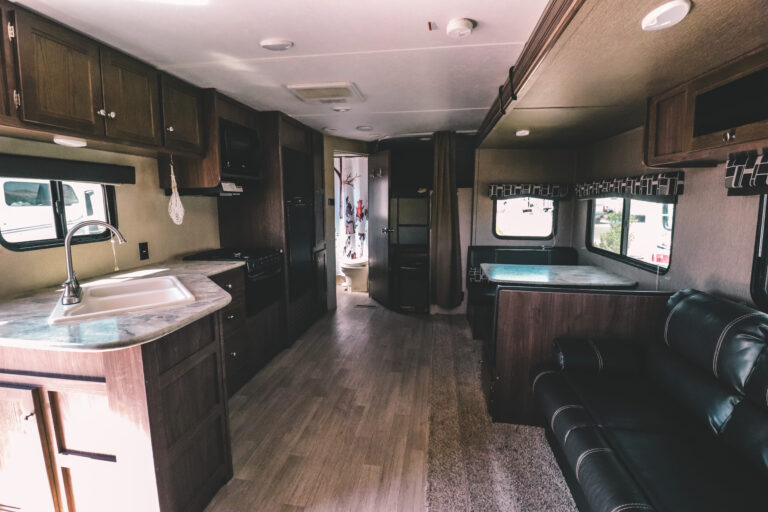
point(747, 174)
point(39, 168)
point(538, 190)
point(662, 187)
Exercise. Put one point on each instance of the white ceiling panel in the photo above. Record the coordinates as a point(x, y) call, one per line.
point(410, 76)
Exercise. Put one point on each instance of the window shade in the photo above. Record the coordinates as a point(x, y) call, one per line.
point(662, 187)
point(747, 174)
point(539, 190)
point(32, 167)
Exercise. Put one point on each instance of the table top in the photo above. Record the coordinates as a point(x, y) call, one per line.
point(581, 276)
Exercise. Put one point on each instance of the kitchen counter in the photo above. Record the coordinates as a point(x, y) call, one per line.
point(24, 320)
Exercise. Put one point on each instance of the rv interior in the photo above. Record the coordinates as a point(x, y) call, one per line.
point(409, 255)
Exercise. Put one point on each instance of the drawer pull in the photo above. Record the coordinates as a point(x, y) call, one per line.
point(231, 317)
point(228, 286)
point(233, 354)
point(729, 136)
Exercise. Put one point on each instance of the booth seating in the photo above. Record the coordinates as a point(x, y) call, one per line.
point(481, 293)
point(678, 423)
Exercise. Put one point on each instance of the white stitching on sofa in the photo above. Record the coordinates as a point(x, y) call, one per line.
point(630, 506)
point(559, 410)
point(669, 317)
point(536, 379)
point(722, 338)
point(598, 354)
point(584, 456)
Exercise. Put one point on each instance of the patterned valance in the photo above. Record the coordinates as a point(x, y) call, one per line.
point(747, 174)
point(539, 190)
point(662, 187)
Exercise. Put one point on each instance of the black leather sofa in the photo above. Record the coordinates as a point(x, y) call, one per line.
point(481, 293)
point(679, 425)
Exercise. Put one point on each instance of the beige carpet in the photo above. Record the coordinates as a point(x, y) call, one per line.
point(474, 464)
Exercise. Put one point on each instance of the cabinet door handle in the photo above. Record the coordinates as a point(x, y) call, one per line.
point(231, 317)
point(170, 129)
point(101, 112)
point(233, 354)
point(26, 417)
point(729, 136)
point(112, 115)
point(228, 286)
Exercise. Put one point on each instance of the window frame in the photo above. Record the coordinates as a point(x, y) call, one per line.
point(555, 208)
point(60, 221)
point(622, 256)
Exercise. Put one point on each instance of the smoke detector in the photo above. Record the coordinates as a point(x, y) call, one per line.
point(459, 28)
point(334, 93)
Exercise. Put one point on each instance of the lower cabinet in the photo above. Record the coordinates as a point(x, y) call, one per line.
point(139, 428)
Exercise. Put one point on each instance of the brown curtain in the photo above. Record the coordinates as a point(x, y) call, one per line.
point(444, 247)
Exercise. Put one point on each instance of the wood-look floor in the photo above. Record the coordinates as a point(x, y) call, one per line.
point(339, 421)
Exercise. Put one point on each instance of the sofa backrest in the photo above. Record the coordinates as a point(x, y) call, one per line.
point(714, 360)
point(477, 254)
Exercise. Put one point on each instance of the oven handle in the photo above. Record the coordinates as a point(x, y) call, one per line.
point(264, 277)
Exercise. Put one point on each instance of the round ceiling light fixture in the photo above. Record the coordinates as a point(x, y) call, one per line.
point(340, 108)
point(328, 129)
point(522, 133)
point(666, 15)
point(276, 45)
point(364, 128)
point(459, 28)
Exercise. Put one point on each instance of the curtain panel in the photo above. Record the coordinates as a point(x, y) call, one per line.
point(746, 174)
point(662, 187)
point(537, 190)
point(444, 247)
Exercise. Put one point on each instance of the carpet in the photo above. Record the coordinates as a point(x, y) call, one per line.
point(475, 464)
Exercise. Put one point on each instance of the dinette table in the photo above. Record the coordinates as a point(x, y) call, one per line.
point(578, 276)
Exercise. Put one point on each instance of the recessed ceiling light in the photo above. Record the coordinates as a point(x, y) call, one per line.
point(522, 133)
point(459, 28)
point(364, 128)
point(70, 142)
point(276, 45)
point(341, 108)
point(666, 15)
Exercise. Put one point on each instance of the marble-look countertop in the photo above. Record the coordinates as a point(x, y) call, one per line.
point(24, 320)
point(581, 276)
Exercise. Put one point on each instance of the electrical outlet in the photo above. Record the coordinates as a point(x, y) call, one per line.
point(143, 250)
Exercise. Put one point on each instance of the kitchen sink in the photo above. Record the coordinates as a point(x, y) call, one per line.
point(115, 298)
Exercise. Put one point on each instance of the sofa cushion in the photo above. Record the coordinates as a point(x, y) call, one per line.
point(721, 337)
point(597, 355)
point(681, 473)
point(747, 433)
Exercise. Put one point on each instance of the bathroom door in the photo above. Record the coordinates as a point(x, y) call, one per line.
point(379, 229)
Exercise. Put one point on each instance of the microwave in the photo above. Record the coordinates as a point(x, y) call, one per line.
point(240, 152)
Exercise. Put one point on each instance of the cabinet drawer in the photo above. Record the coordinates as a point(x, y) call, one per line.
point(233, 281)
point(233, 317)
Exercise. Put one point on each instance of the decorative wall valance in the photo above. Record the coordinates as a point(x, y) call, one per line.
point(539, 190)
point(662, 187)
point(747, 174)
point(39, 168)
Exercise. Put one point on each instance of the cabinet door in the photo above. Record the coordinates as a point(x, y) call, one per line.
point(26, 474)
point(59, 76)
point(182, 110)
point(666, 126)
point(131, 99)
point(319, 181)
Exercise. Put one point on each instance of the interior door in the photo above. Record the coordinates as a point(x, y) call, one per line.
point(26, 474)
point(131, 99)
point(379, 229)
point(59, 76)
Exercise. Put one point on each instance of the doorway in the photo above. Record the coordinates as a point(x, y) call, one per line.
point(351, 222)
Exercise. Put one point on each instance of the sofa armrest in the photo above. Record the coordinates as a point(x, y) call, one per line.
point(597, 356)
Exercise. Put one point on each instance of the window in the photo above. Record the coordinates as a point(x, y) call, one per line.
point(524, 217)
point(38, 213)
point(635, 231)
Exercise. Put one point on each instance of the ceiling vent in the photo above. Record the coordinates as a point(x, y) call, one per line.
point(325, 94)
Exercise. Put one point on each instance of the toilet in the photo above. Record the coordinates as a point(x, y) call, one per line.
point(356, 273)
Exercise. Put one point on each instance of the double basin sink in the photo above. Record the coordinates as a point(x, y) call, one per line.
point(101, 300)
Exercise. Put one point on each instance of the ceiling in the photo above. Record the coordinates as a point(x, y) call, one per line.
point(597, 78)
point(414, 81)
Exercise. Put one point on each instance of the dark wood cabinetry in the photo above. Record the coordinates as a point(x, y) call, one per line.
point(131, 101)
point(182, 115)
point(59, 75)
point(139, 428)
point(702, 121)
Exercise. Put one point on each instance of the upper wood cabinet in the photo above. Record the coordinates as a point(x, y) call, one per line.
point(182, 115)
point(131, 99)
point(59, 76)
point(704, 120)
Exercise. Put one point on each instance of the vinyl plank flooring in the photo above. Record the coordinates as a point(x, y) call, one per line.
point(340, 421)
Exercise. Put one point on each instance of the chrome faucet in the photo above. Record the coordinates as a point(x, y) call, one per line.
point(73, 294)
